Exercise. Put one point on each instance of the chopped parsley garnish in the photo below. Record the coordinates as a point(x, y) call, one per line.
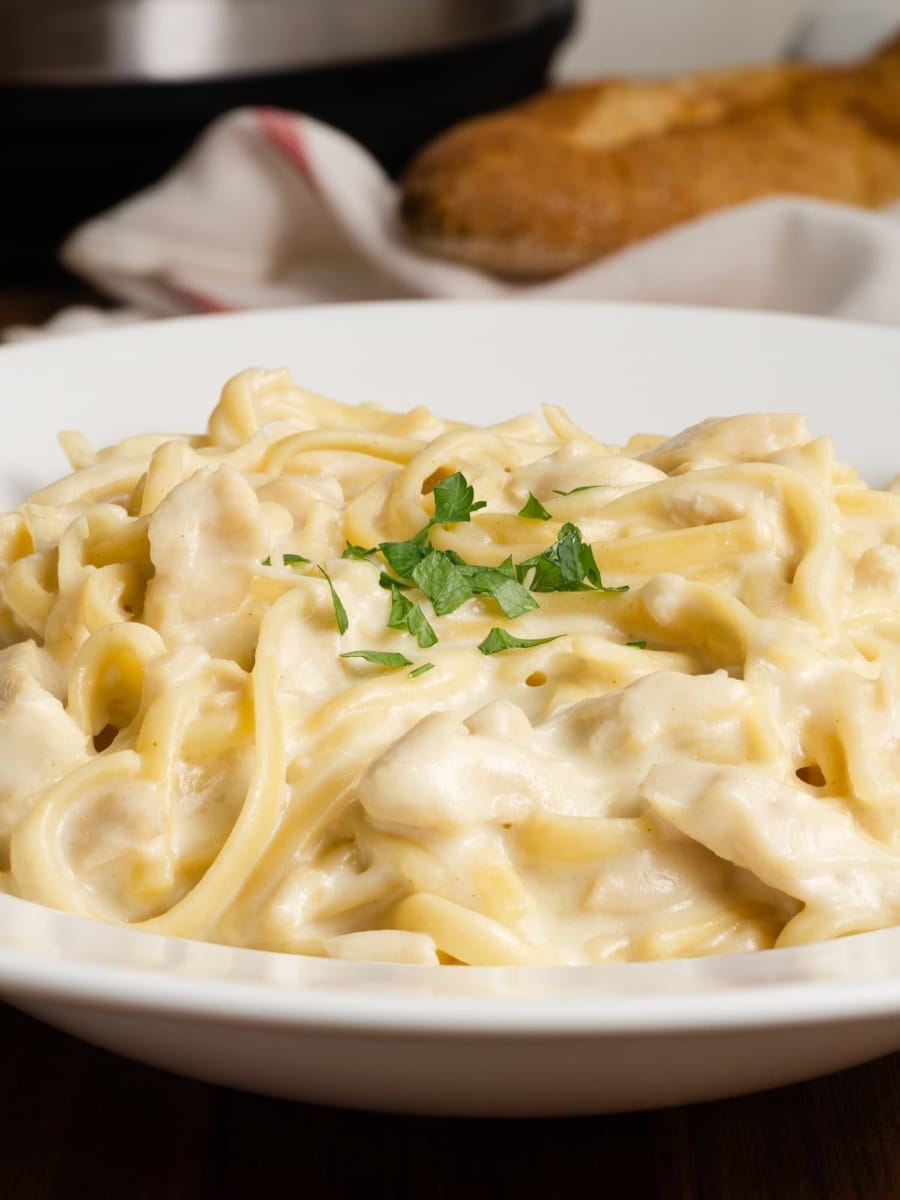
point(585, 487)
point(442, 581)
point(498, 640)
point(566, 566)
point(384, 658)
point(340, 613)
point(454, 500)
point(404, 557)
point(409, 616)
point(388, 581)
point(534, 510)
point(638, 645)
point(500, 584)
point(287, 560)
point(447, 580)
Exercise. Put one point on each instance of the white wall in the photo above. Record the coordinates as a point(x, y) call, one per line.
point(646, 36)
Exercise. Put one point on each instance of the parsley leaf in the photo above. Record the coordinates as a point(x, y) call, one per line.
point(384, 658)
point(287, 560)
point(547, 575)
point(534, 510)
point(352, 551)
point(442, 581)
point(510, 595)
point(409, 616)
point(388, 581)
point(454, 500)
point(429, 666)
point(404, 557)
point(566, 566)
point(340, 613)
point(498, 640)
point(589, 565)
point(639, 645)
point(585, 487)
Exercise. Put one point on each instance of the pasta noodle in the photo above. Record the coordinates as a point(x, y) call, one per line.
point(339, 681)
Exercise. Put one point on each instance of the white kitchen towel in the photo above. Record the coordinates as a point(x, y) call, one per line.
point(271, 208)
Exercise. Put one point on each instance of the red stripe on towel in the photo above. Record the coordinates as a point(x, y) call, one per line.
point(283, 130)
point(202, 301)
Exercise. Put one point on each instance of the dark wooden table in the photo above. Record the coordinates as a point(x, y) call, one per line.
point(35, 303)
point(79, 1123)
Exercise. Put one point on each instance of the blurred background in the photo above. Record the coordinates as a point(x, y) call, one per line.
point(98, 98)
point(101, 96)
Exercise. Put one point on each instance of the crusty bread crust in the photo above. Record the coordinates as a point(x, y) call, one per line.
point(575, 174)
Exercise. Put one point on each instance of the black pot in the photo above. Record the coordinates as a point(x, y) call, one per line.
point(78, 134)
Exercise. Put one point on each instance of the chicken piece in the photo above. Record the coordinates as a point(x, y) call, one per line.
point(39, 741)
point(207, 541)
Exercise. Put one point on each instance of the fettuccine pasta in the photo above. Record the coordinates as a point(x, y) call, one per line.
point(338, 681)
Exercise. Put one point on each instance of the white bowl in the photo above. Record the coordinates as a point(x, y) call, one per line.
point(464, 1040)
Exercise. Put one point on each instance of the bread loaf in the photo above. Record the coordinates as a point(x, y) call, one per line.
point(578, 173)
